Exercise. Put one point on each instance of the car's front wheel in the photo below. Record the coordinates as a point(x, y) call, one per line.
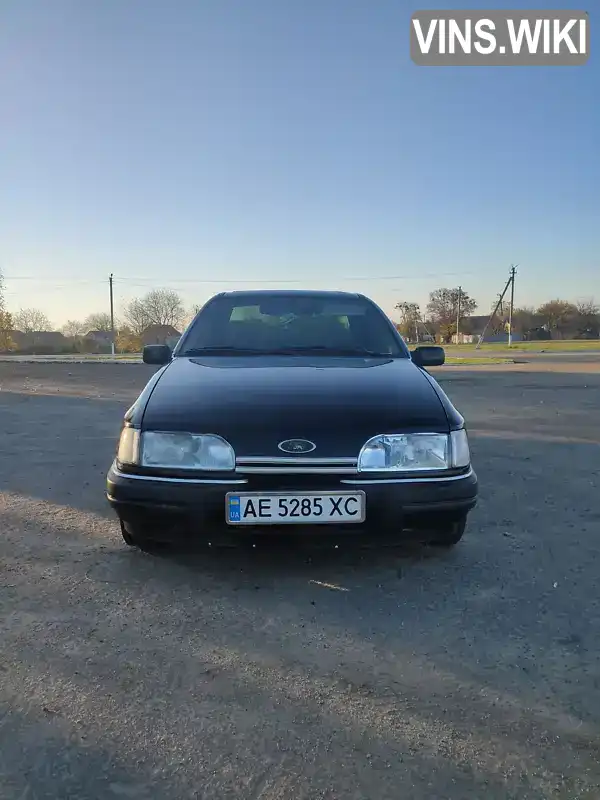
point(134, 536)
point(448, 533)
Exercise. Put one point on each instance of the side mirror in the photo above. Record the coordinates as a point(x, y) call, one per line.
point(428, 356)
point(156, 354)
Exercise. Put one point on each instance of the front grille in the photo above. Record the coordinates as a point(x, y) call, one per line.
point(295, 465)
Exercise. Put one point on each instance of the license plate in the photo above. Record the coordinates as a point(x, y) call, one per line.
point(257, 508)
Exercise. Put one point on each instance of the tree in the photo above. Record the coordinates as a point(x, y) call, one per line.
point(137, 317)
point(410, 317)
point(158, 307)
point(503, 308)
point(587, 308)
point(190, 314)
point(588, 318)
point(6, 323)
point(31, 319)
point(97, 322)
point(127, 341)
point(73, 328)
point(6, 326)
point(557, 314)
point(523, 319)
point(443, 307)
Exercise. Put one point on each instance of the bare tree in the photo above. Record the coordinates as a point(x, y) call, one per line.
point(31, 319)
point(190, 314)
point(158, 307)
point(587, 308)
point(73, 328)
point(136, 316)
point(97, 322)
point(2, 292)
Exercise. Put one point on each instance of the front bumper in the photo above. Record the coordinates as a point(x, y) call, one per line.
point(181, 508)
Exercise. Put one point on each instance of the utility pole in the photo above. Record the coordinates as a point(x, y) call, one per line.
point(458, 311)
point(112, 315)
point(513, 271)
point(495, 311)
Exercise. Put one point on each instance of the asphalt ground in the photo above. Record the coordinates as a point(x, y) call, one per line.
point(408, 674)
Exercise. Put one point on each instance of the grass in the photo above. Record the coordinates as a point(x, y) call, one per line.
point(550, 346)
point(454, 361)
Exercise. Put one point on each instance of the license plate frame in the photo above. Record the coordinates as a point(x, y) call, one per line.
point(359, 518)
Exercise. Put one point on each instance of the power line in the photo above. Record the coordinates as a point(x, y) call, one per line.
point(303, 280)
point(43, 289)
point(38, 278)
point(65, 282)
point(139, 281)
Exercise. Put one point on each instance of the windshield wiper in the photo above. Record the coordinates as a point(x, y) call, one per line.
point(322, 349)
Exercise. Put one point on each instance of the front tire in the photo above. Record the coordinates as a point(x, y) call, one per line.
point(133, 536)
point(128, 537)
point(448, 534)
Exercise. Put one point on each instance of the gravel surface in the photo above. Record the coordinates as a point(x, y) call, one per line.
point(287, 676)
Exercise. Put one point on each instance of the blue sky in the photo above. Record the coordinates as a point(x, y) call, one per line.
point(192, 143)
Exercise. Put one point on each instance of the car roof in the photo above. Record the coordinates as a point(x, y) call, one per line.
point(328, 294)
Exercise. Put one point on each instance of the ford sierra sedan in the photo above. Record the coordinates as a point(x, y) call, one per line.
point(292, 412)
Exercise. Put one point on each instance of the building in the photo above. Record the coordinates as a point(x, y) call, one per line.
point(48, 340)
point(99, 337)
point(97, 342)
point(17, 339)
point(471, 328)
point(160, 334)
point(40, 342)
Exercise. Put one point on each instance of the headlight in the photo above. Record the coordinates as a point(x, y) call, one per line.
point(186, 451)
point(414, 452)
point(175, 450)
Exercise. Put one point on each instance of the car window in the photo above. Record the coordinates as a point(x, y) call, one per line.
point(292, 323)
point(248, 313)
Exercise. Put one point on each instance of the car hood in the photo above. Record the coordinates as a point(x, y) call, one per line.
point(256, 402)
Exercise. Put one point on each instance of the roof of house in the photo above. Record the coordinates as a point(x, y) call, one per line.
point(16, 334)
point(166, 329)
point(99, 334)
point(48, 336)
point(37, 338)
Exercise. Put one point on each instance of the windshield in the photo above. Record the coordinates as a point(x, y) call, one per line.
point(289, 324)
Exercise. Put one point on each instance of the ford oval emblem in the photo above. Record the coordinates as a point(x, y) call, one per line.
point(297, 446)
